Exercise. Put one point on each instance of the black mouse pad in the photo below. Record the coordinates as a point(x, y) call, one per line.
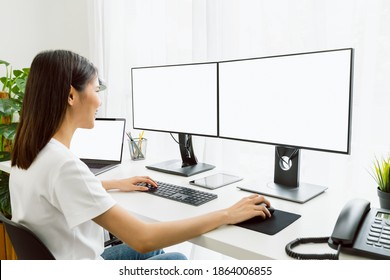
point(278, 221)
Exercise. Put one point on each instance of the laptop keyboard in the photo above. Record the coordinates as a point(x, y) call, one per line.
point(180, 193)
point(96, 165)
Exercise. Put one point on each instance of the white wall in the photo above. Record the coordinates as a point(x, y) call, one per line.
point(30, 26)
point(160, 30)
point(152, 32)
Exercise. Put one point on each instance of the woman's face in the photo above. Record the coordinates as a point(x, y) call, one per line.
point(88, 104)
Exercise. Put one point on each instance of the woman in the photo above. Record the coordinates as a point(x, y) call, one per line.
point(56, 196)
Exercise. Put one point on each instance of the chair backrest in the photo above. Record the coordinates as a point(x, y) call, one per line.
point(26, 244)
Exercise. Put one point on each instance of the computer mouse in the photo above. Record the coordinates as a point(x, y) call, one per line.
point(259, 219)
point(271, 209)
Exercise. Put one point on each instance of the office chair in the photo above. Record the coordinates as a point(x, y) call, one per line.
point(26, 244)
point(112, 241)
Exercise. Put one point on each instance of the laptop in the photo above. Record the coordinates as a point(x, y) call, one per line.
point(101, 147)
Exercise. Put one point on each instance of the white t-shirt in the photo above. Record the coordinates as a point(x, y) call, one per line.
point(56, 197)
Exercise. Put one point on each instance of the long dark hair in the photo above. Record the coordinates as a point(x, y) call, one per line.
point(52, 73)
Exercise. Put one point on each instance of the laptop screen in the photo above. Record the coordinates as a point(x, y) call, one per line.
point(103, 142)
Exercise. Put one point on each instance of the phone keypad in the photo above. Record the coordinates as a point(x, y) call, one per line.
point(379, 234)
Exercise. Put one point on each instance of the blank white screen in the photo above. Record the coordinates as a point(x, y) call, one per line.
point(179, 98)
point(103, 142)
point(297, 100)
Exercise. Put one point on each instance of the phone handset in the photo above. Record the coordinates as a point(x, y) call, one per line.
point(348, 223)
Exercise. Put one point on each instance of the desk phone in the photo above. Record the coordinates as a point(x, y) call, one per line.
point(363, 231)
point(359, 230)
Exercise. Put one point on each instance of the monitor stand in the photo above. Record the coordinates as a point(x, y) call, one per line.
point(286, 183)
point(188, 166)
point(300, 194)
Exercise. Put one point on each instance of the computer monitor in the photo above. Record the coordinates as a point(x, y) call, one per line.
point(296, 101)
point(177, 99)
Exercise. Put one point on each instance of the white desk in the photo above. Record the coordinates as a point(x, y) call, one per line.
point(318, 215)
point(317, 220)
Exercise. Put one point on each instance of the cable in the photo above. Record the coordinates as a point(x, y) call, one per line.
point(176, 140)
point(185, 145)
point(326, 256)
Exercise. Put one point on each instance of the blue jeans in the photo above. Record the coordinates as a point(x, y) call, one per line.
point(124, 252)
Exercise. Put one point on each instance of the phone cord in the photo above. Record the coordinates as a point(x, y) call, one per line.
point(300, 256)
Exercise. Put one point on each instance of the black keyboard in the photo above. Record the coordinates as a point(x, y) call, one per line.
point(96, 165)
point(181, 194)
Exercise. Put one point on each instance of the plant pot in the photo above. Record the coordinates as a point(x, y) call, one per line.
point(384, 199)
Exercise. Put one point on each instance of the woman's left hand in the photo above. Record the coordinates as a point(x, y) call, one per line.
point(129, 184)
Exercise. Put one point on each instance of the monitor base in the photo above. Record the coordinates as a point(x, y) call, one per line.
point(175, 167)
point(300, 194)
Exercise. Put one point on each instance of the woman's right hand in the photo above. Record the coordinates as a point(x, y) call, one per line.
point(248, 207)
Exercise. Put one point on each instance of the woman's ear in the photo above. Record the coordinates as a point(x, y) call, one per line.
point(71, 96)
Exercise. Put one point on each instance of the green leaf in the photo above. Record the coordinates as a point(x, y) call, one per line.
point(8, 107)
point(3, 127)
point(17, 72)
point(26, 71)
point(9, 133)
point(21, 83)
point(4, 63)
point(381, 174)
point(4, 80)
point(18, 98)
point(5, 201)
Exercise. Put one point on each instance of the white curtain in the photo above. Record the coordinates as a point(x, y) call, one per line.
point(128, 33)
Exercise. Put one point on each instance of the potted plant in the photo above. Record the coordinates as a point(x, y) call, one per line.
point(381, 174)
point(11, 98)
